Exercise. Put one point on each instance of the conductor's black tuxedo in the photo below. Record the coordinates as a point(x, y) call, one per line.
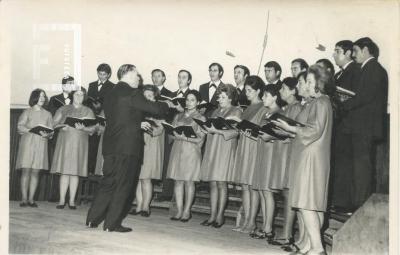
point(124, 108)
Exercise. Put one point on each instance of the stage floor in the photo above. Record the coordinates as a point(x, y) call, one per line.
point(49, 230)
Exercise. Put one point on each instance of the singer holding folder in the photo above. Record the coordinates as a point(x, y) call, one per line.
point(246, 152)
point(185, 157)
point(310, 158)
point(219, 155)
point(70, 157)
point(32, 151)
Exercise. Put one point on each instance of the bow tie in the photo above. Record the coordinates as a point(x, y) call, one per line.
point(213, 85)
point(180, 93)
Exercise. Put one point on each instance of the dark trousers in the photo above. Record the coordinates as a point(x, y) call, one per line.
point(116, 191)
point(92, 154)
point(167, 184)
point(353, 170)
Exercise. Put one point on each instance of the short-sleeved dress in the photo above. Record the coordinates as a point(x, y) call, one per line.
point(153, 155)
point(32, 150)
point(71, 152)
point(281, 154)
point(246, 152)
point(310, 156)
point(185, 157)
point(219, 154)
point(264, 159)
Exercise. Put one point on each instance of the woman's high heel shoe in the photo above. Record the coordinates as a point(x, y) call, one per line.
point(186, 220)
point(218, 225)
point(207, 223)
point(60, 206)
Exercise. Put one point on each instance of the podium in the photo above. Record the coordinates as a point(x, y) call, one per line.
point(367, 231)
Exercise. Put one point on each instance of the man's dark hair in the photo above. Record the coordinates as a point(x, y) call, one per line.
point(302, 62)
point(220, 68)
point(158, 70)
point(373, 49)
point(346, 45)
point(274, 65)
point(67, 79)
point(104, 68)
point(244, 68)
point(188, 73)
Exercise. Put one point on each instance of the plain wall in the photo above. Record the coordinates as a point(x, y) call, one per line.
point(173, 35)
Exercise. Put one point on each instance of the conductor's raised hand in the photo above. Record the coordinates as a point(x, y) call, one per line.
point(145, 125)
point(179, 107)
point(79, 126)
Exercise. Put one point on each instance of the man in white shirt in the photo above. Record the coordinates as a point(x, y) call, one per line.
point(273, 73)
point(240, 73)
point(298, 65)
point(158, 77)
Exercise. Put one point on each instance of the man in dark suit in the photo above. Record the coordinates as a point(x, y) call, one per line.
point(158, 77)
point(184, 80)
point(240, 73)
point(96, 94)
point(124, 109)
point(64, 98)
point(366, 115)
point(207, 90)
point(342, 171)
point(100, 88)
point(273, 73)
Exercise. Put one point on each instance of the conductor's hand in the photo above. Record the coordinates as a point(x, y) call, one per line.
point(170, 104)
point(79, 126)
point(179, 107)
point(145, 126)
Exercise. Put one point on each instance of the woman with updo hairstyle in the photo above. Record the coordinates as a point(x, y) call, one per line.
point(281, 154)
point(219, 155)
point(185, 158)
point(71, 153)
point(261, 191)
point(246, 152)
point(310, 156)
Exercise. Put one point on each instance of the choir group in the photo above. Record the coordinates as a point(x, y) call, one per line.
point(292, 156)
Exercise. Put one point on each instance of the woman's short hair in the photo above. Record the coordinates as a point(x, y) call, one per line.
point(324, 79)
point(124, 69)
point(256, 83)
point(291, 83)
point(194, 93)
point(189, 75)
point(152, 88)
point(327, 64)
point(230, 91)
point(274, 91)
point(35, 95)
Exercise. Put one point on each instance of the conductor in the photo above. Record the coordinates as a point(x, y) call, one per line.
point(124, 108)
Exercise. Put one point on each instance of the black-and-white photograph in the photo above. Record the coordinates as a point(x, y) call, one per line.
point(200, 127)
